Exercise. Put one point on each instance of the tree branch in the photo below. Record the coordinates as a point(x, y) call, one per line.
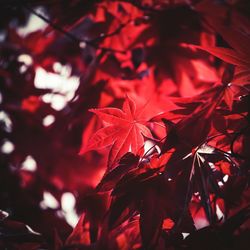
point(76, 39)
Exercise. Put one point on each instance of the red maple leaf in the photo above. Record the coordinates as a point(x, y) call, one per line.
point(123, 131)
point(239, 53)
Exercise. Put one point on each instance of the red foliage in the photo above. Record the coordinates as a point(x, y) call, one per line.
point(165, 152)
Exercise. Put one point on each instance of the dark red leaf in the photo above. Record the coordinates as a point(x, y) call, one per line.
point(126, 163)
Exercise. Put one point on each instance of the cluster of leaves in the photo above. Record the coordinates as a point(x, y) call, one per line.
point(154, 144)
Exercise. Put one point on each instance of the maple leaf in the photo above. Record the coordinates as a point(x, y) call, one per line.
point(124, 131)
point(126, 163)
point(238, 54)
point(78, 235)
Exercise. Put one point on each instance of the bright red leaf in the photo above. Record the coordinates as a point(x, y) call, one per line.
point(123, 131)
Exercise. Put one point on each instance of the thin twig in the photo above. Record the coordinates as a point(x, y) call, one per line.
point(115, 32)
point(72, 37)
point(53, 25)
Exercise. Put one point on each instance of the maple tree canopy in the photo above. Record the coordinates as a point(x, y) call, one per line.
point(124, 124)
